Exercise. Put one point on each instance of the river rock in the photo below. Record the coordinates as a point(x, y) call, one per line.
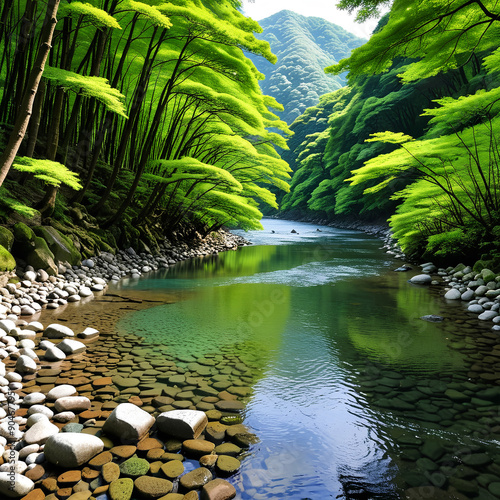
point(453, 294)
point(26, 364)
point(152, 487)
point(69, 346)
point(18, 488)
point(128, 422)
point(56, 331)
point(421, 279)
point(89, 334)
point(72, 403)
point(475, 308)
point(121, 489)
point(40, 432)
point(183, 424)
point(71, 449)
point(61, 391)
point(53, 353)
point(134, 467)
point(487, 315)
point(218, 489)
point(196, 479)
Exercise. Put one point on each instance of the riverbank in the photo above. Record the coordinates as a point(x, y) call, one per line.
point(103, 385)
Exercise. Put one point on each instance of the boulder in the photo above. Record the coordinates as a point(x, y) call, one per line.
point(54, 354)
point(182, 424)
point(42, 258)
point(6, 238)
point(7, 261)
point(72, 449)
point(17, 488)
point(61, 246)
point(128, 422)
point(56, 331)
point(24, 239)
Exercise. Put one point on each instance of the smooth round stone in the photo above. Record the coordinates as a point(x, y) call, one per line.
point(218, 489)
point(20, 487)
point(14, 377)
point(152, 487)
point(72, 403)
point(40, 409)
point(69, 477)
point(195, 479)
point(208, 460)
point(40, 432)
point(172, 469)
point(121, 489)
point(53, 353)
point(476, 459)
point(72, 427)
point(227, 465)
point(99, 460)
point(64, 417)
point(228, 449)
point(35, 398)
point(125, 451)
point(56, 331)
point(134, 467)
point(421, 279)
point(25, 364)
point(475, 308)
point(110, 472)
point(61, 391)
point(36, 417)
point(453, 294)
point(197, 447)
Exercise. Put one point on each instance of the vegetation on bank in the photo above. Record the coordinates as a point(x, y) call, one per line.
point(147, 118)
point(415, 132)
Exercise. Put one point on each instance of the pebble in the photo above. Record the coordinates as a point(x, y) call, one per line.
point(196, 479)
point(218, 489)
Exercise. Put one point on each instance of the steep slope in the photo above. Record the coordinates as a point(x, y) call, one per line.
point(304, 46)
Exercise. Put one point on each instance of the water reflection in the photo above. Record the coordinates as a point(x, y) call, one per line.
point(315, 319)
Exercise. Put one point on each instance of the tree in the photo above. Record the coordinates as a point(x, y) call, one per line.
point(26, 107)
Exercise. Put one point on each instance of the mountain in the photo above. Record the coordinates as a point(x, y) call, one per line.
point(304, 47)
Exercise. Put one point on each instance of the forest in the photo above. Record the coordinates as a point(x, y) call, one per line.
point(413, 137)
point(135, 116)
point(123, 120)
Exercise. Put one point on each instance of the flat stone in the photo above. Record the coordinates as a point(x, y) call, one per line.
point(99, 460)
point(124, 451)
point(71, 449)
point(172, 469)
point(149, 444)
point(218, 489)
point(36, 494)
point(110, 472)
point(69, 477)
point(197, 447)
point(128, 422)
point(36, 473)
point(228, 449)
point(152, 487)
point(233, 406)
point(134, 467)
point(196, 479)
point(183, 424)
point(227, 465)
point(121, 489)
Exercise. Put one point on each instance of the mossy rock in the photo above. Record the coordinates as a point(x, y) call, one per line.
point(41, 257)
point(24, 239)
point(121, 489)
point(134, 467)
point(482, 264)
point(6, 238)
point(488, 275)
point(61, 246)
point(7, 262)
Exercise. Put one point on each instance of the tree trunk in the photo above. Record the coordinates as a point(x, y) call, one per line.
point(24, 114)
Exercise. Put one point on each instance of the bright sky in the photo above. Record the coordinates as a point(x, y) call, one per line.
point(260, 9)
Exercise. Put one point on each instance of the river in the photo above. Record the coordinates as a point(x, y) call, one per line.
point(352, 392)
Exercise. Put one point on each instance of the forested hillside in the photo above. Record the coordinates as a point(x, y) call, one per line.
point(415, 131)
point(143, 114)
point(304, 46)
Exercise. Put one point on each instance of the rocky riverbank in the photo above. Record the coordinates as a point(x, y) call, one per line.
point(111, 417)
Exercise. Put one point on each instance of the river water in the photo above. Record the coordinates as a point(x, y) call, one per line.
point(354, 396)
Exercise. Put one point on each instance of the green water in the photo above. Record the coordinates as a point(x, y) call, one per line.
point(349, 383)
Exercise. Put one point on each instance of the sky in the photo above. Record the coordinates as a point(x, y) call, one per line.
point(260, 9)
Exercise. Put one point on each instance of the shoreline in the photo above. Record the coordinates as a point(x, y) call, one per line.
point(50, 382)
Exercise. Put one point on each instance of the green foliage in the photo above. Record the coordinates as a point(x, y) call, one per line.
point(51, 172)
point(92, 14)
point(10, 204)
point(88, 86)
